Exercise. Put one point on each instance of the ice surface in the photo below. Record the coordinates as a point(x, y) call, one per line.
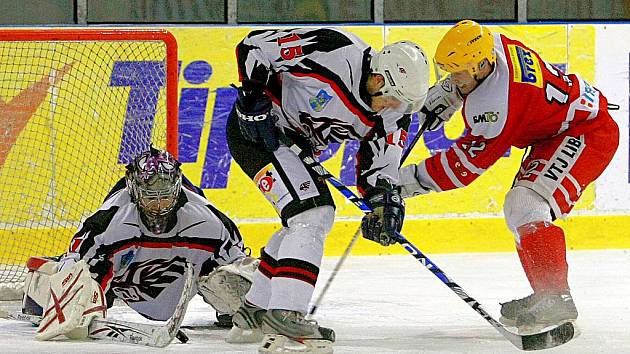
point(392, 304)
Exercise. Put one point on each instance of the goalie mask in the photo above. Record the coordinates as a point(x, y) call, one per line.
point(405, 70)
point(154, 181)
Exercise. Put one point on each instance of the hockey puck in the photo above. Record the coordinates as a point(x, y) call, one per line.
point(181, 336)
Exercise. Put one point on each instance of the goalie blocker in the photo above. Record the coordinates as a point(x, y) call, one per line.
point(75, 300)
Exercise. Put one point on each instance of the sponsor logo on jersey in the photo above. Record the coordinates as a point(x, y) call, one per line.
point(564, 158)
point(486, 117)
point(526, 66)
point(265, 180)
point(320, 101)
point(126, 259)
point(305, 186)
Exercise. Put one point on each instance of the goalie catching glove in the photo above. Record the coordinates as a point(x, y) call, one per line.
point(75, 300)
point(225, 288)
point(253, 109)
point(443, 100)
point(387, 217)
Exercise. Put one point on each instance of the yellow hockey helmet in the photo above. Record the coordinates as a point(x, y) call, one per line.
point(464, 47)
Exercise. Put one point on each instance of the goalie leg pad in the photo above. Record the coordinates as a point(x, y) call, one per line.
point(225, 288)
point(75, 300)
point(37, 285)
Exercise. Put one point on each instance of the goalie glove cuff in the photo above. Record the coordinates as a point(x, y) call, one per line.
point(225, 287)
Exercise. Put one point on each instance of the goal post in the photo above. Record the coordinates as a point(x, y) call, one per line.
point(76, 105)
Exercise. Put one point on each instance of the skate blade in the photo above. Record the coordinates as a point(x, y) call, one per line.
point(277, 343)
point(239, 336)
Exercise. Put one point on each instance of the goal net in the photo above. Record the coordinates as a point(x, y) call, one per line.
point(75, 107)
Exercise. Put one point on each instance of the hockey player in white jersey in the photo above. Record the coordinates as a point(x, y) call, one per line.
point(136, 246)
point(311, 87)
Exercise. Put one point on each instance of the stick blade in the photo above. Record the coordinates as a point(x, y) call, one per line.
point(553, 337)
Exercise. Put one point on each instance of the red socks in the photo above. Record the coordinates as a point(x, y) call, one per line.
point(543, 255)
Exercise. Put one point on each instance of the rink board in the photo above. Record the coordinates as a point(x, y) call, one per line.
point(430, 235)
point(464, 220)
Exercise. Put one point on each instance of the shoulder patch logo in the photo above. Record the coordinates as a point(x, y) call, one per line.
point(126, 259)
point(526, 66)
point(320, 101)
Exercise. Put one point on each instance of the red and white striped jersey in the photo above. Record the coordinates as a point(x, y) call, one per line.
point(147, 270)
point(316, 79)
point(524, 101)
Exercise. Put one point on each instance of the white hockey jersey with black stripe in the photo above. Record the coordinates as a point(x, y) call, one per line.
point(316, 78)
point(147, 270)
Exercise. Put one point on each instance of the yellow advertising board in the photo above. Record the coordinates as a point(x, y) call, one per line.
point(468, 219)
point(464, 220)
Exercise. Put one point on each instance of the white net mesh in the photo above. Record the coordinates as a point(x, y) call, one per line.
point(73, 112)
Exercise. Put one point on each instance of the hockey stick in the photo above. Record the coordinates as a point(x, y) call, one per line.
point(132, 332)
point(340, 262)
point(536, 341)
point(355, 237)
point(144, 334)
point(542, 340)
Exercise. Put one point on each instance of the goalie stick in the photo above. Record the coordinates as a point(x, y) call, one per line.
point(355, 237)
point(547, 338)
point(158, 336)
point(150, 335)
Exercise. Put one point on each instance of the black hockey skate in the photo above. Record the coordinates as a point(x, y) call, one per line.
point(511, 309)
point(546, 310)
point(247, 323)
point(288, 331)
point(224, 320)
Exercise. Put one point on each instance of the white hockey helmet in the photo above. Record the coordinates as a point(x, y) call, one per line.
point(405, 69)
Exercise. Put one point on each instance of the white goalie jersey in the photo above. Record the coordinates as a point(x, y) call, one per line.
point(145, 270)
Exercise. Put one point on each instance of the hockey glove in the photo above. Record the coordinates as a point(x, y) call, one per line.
point(409, 185)
point(443, 100)
point(386, 219)
point(257, 123)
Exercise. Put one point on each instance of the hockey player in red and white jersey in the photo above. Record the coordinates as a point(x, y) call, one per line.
point(136, 246)
point(312, 87)
point(512, 97)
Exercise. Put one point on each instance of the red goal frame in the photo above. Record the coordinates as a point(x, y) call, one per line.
point(60, 34)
